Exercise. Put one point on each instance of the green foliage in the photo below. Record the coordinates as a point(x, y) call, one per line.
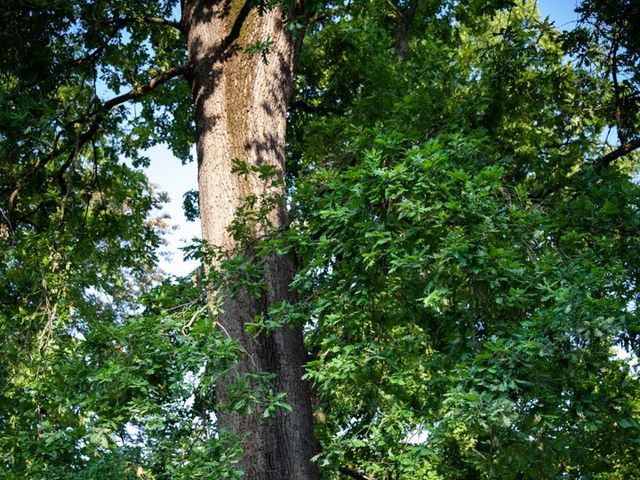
point(191, 205)
point(468, 268)
point(608, 39)
point(467, 274)
point(106, 370)
point(108, 395)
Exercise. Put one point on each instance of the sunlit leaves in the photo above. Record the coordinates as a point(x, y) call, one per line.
point(466, 273)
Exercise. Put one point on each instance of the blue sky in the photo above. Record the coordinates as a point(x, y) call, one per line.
point(560, 11)
point(170, 176)
point(167, 173)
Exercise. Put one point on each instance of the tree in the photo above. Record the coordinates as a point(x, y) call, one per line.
point(240, 115)
point(240, 61)
point(461, 245)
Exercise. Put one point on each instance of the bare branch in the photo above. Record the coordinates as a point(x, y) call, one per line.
point(162, 21)
point(132, 94)
point(354, 474)
point(619, 152)
point(151, 20)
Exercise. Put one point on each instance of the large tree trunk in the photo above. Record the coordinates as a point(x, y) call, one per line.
point(240, 108)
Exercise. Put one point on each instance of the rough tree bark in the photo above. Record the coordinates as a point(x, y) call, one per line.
point(240, 111)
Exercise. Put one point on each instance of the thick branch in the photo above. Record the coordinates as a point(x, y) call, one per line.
point(394, 7)
point(162, 21)
point(234, 33)
point(138, 92)
point(621, 151)
point(403, 22)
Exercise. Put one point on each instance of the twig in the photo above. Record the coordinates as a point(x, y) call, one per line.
point(195, 315)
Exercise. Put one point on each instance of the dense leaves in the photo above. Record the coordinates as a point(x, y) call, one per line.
point(464, 212)
point(98, 372)
point(468, 271)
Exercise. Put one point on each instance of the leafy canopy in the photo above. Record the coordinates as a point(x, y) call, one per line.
point(466, 233)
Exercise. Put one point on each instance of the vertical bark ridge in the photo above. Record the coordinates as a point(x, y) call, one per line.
point(240, 110)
